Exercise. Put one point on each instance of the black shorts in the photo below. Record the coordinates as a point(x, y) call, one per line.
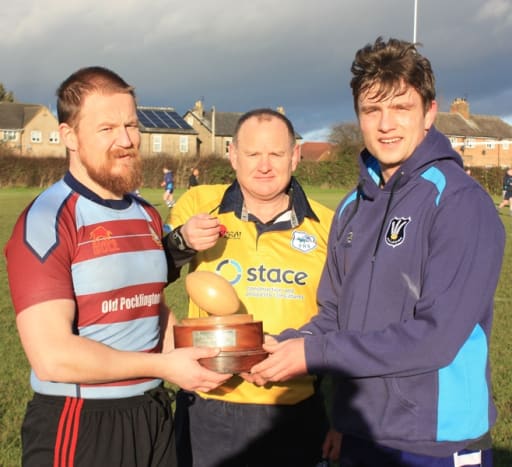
point(66, 431)
point(507, 195)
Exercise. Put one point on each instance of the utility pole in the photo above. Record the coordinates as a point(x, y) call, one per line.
point(415, 20)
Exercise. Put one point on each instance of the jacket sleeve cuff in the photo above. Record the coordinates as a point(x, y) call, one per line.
point(313, 348)
point(288, 334)
point(175, 258)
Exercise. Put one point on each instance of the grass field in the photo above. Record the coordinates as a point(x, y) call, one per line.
point(14, 370)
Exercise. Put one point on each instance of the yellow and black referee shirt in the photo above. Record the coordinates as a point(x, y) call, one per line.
point(275, 269)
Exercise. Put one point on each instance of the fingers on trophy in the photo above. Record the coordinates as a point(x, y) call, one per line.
point(237, 335)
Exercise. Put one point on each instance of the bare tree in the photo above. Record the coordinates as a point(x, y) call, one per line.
point(5, 96)
point(346, 134)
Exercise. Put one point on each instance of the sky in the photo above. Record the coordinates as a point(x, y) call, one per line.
point(236, 55)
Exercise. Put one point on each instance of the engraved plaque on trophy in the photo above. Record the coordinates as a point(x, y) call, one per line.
point(237, 335)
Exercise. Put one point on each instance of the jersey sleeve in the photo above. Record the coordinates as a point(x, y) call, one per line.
point(38, 270)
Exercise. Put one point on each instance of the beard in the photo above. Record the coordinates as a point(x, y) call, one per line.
point(119, 176)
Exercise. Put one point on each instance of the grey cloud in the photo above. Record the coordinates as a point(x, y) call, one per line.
point(240, 54)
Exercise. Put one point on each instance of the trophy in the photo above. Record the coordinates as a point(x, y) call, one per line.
point(239, 338)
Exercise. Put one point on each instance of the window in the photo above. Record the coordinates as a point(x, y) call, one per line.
point(506, 145)
point(470, 143)
point(228, 142)
point(157, 143)
point(36, 136)
point(453, 140)
point(54, 137)
point(183, 143)
point(9, 135)
point(490, 145)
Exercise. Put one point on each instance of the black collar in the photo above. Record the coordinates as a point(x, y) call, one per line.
point(82, 190)
point(233, 201)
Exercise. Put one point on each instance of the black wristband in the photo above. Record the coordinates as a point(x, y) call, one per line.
point(177, 239)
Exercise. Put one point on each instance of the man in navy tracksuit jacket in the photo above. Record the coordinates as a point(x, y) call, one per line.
point(406, 297)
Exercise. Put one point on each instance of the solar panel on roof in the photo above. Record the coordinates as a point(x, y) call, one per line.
point(155, 116)
point(176, 119)
point(161, 118)
point(145, 120)
point(181, 121)
point(167, 120)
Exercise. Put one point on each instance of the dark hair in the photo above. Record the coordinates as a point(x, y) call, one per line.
point(390, 65)
point(83, 82)
point(264, 114)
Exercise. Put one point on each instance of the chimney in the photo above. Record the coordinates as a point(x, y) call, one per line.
point(198, 108)
point(460, 106)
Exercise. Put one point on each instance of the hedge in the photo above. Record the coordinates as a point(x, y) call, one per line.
point(340, 173)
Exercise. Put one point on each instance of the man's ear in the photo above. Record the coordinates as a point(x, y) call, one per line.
point(232, 155)
point(295, 157)
point(68, 136)
point(430, 115)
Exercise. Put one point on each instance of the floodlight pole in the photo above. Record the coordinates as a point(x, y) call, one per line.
point(415, 20)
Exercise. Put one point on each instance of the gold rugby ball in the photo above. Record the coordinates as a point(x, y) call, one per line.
point(212, 293)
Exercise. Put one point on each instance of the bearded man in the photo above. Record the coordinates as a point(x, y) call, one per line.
point(86, 271)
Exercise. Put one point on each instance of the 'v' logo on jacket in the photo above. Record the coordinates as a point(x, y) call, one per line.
point(395, 234)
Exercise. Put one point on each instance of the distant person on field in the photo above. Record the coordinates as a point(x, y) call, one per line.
point(507, 190)
point(193, 180)
point(406, 296)
point(168, 184)
point(86, 270)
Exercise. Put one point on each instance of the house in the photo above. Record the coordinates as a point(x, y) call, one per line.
point(316, 151)
point(214, 129)
point(164, 132)
point(30, 130)
point(481, 140)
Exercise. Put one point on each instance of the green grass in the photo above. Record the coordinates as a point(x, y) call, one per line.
point(15, 389)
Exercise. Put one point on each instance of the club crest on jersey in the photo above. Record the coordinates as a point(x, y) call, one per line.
point(395, 234)
point(303, 241)
point(155, 237)
point(103, 241)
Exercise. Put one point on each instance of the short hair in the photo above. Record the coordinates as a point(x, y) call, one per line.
point(81, 83)
point(390, 65)
point(264, 114)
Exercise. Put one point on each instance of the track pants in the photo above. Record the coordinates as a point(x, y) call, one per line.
point(357, 452)
point(214, 433)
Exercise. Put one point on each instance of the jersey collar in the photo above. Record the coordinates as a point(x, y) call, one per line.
point(82, 190)
point(233, 201)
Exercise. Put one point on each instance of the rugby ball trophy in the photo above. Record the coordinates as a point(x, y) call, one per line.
point(239, 338)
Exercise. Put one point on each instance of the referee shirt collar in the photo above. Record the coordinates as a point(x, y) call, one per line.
point(233, 201)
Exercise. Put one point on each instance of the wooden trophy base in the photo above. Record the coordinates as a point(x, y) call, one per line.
point(238, 336)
